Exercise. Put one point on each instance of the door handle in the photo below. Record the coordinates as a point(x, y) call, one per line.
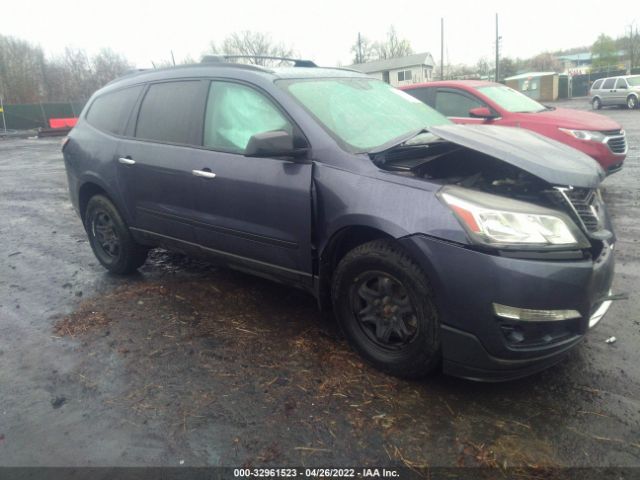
point(206, 173)
point(127, 161)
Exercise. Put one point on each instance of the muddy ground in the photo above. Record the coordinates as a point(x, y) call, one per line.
point(185, 362)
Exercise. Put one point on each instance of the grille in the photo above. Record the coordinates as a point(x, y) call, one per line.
point(617, 144)
point(611, 133)
point(587, 204)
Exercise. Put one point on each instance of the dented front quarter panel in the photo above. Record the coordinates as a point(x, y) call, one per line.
point(367, 196)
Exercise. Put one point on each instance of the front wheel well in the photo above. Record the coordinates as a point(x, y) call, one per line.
point(341, 243)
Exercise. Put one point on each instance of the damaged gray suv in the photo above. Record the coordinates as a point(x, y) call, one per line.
point(483, 251)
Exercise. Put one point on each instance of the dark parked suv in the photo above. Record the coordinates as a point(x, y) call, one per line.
point(483, 250)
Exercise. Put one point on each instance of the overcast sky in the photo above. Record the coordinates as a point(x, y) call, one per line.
point(321, 30)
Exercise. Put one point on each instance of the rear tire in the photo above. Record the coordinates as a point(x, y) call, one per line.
point(632, 102)
point(384, 306)
point(110, 238)
point(596, 103)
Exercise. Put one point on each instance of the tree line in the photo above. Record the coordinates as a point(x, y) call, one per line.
point(27, 75)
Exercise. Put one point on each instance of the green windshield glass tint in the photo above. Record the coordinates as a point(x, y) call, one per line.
point(235, 113)
point(511, 100)
point(362, 113)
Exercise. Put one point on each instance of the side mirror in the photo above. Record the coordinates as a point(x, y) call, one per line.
point(481, 112)
point(276, 143)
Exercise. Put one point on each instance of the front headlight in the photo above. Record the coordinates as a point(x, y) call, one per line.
point(584, 134)
point(506, 223)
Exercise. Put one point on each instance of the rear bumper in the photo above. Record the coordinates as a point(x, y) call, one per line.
point(478, 344)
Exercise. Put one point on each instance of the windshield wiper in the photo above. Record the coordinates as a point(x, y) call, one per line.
point(397, 141)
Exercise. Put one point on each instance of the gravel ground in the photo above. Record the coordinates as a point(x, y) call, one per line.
point(187, 362)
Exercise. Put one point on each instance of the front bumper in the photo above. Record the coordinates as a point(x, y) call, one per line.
point(611, 161)
point(475, 342)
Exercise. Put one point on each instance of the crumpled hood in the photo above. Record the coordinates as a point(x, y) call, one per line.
point(547, 159)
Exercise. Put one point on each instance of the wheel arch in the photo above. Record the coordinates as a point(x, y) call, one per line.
point(90, 187)
point(336, 247)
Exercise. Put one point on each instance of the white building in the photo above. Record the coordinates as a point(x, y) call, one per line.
point(414, 68)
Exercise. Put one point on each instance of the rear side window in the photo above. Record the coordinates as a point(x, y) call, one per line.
point(597, 84)
point(110, 112)
point(608, 83)
point(621, 83)
point(453, 104)
point(421, 94)
point(169, 113)
point(235, 113)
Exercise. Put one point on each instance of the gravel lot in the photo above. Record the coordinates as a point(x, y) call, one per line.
point(186, 362)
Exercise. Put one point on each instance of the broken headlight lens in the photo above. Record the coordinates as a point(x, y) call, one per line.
point(500, 221)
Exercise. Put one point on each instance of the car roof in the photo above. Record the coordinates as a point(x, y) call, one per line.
point(231, 70)
point(617, 76)
point(451, 83)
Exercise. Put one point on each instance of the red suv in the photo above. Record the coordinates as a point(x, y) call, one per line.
point(472, 101)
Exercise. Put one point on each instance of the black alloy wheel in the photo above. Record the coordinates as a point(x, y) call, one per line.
point(110, 238)
point(384, 310)
point(104, 231)
point(384, 304)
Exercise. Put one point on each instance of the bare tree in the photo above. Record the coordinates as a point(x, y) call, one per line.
point(508, 67)
point(107, 65)
point(632, 43)
point(55, 81)
point(393, 46)
point(27, 76)
point(545, 62)
point(21, 71)
point(75, 76)
point(362, 50)
point(254, 45)
point(483, 68)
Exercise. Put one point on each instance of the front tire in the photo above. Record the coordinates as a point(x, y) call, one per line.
point(596, 103)
point(110, 238)
point(383, 302)
point(632, 102)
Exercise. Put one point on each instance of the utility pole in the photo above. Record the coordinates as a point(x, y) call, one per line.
point(359, 54)
point(633, 48)
point(4, 121)
point(497, 52)
point(441, 48)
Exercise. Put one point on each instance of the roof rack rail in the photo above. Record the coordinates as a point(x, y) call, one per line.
point(221, 58)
